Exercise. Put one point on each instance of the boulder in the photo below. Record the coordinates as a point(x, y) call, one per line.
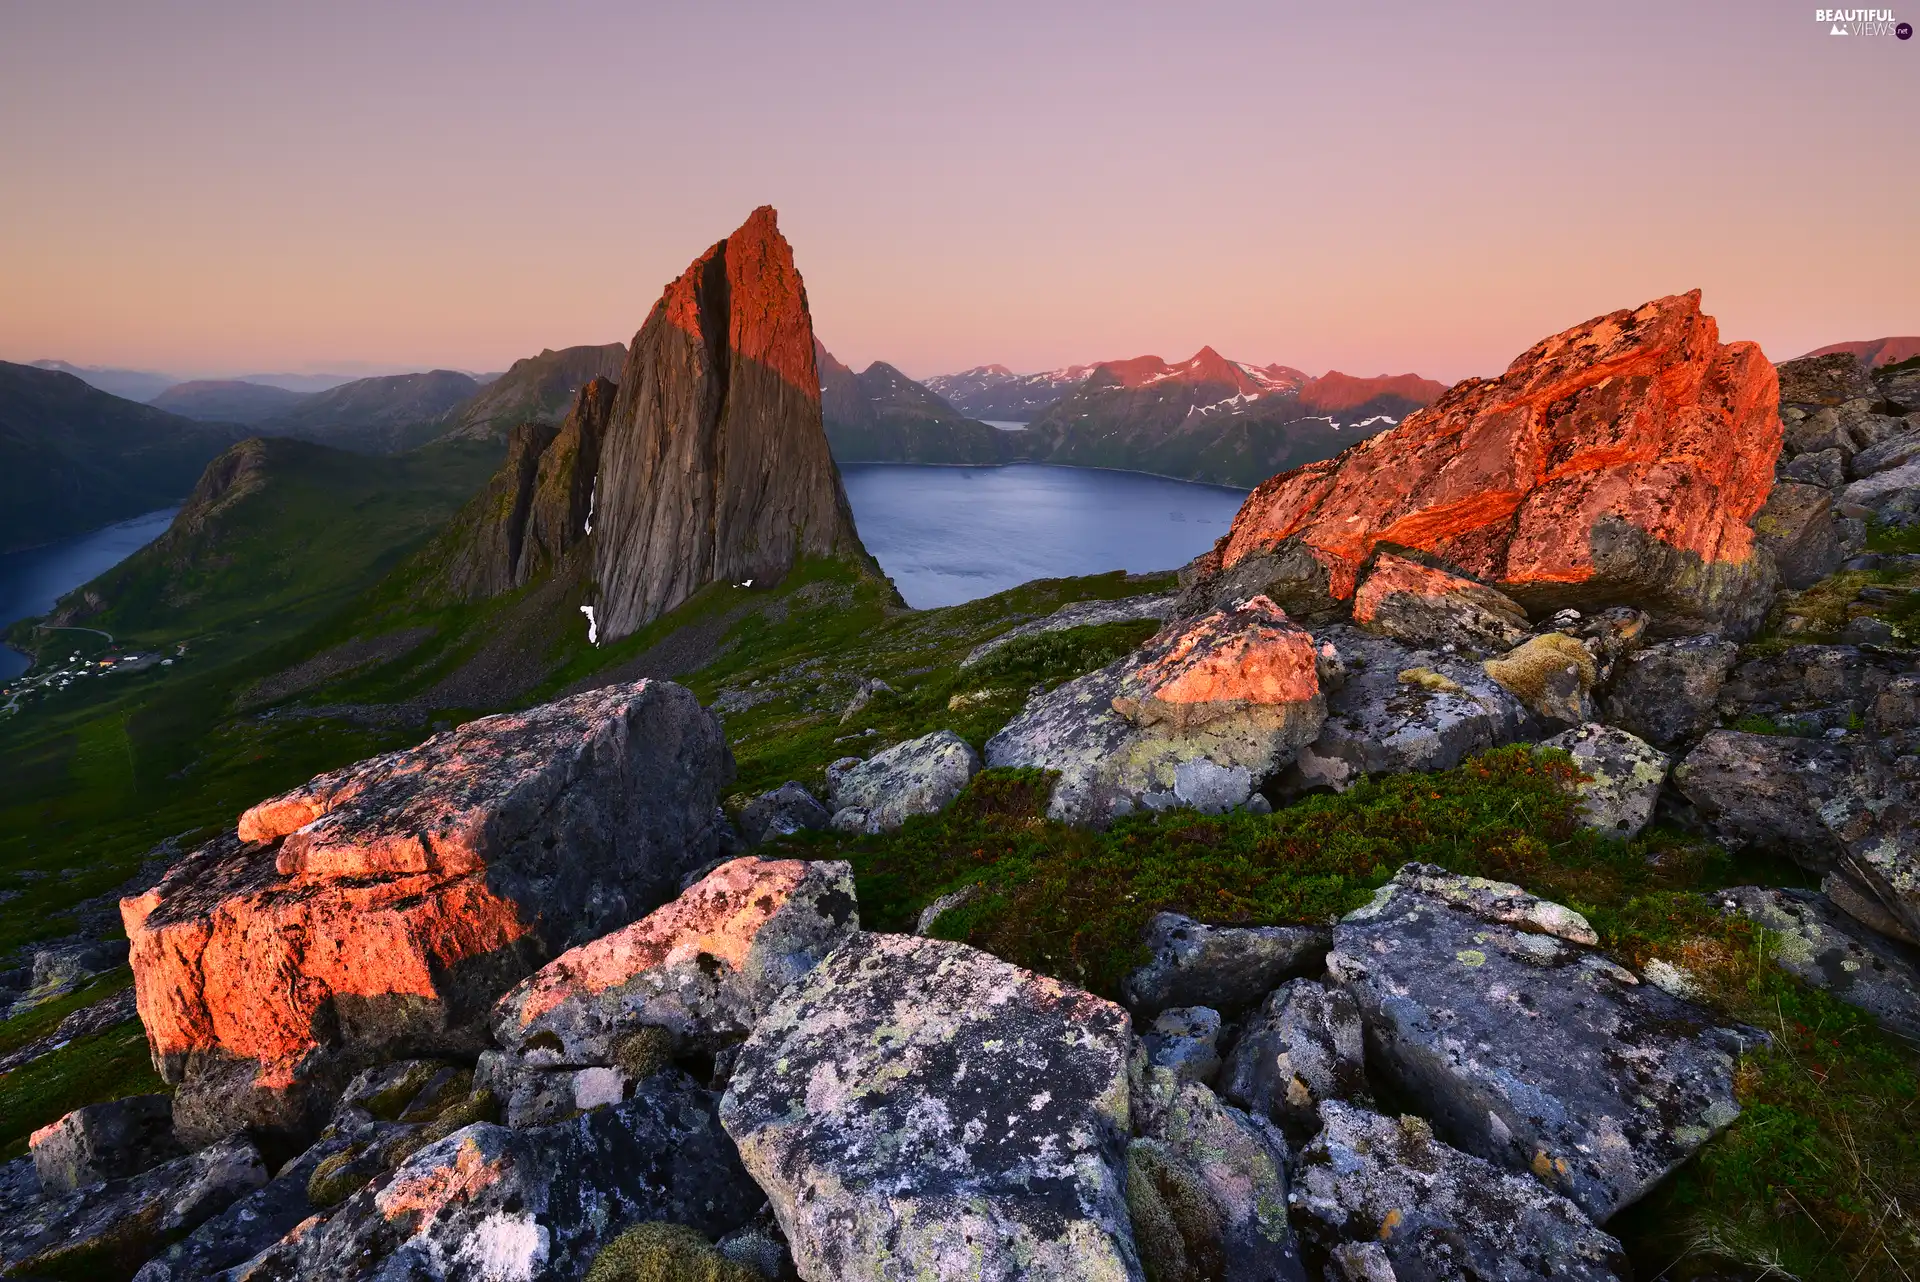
point(1400, 710)
point(1806, 537)
point(1185, 1040)
point(1623, 776)
point(1207, 1187)
point(1375, 1191)
point(1224, 967)
point(1826, 469)
point(248, 1226)
point(1078, 614)
point(1900, 384)
point(488, 1202)
point(1668, 691)
point(1623, 459)
point(705, 967)
point(863, 697)
point(60, 970)
point(1822, 946)
point(715, 466)
point(785, 810)
point(1783, 793)
point(1893, 495)
point(919, 777)
point(1429, 608)
point(104, 1142)
point(1864, 907)
point(1552, 674)
point(1832, 379)
point(917, 1103)
point(1895, 451)
point(1488, 1010)
point(1200, 716)
point(110, 1229)
point(381, 909)
point(1302, 1048)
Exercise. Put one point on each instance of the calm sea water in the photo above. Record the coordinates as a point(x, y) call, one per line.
point(952, 534)
point(31, 581)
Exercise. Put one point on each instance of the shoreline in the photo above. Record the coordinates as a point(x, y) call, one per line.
point(1077, 467)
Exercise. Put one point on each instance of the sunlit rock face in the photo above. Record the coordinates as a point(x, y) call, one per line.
point(379, 910)
point(715, 465)
point(1623, 459)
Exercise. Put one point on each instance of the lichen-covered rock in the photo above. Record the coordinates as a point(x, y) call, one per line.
point(104, 1142)
point(488, 1202)
point(1622, 777)
point(60, 970)
point(1185, 1040)
point(1668, 691)
point(112, 1228)
point(1207, 1188)
point(1400, 710)
point(1429, 608)
point(1303, 1047)
point(917, 1109)
point(1527, 1046)
point(1552, 674)
point(250, 1225)
point(1223, 967)
point(1803, 798)
point(781, 812)
point(1078, 614)
point(381, 909)
point(1434, 1213)
point(1622, 459)
point(1200, 716)
point(919, 777)
point(1831, 379)
point(705, 966)
point(1821, 945)
point(1807, 538)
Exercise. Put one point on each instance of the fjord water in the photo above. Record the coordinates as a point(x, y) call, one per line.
point(31, 581)
point(953, 534)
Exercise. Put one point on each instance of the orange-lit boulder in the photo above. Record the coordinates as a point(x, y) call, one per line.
point(381, 909)
point(1199, 716)
point(1622, 460)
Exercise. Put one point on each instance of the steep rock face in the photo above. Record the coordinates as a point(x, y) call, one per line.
point(537, 507)
point(381, 909)
point(1622, 459)
point(715, 465)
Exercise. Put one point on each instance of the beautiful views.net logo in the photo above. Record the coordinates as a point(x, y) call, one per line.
point(1862, 22)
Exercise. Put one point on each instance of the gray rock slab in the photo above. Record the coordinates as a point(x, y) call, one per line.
point(104, 1142)
point(1185, 1041)
point(1667, 692)
point(1224, 967)
point(1526, 1048)
point(1304, 1046)
point(1370, 1186)
point(1379, 723)
point(1830, 951)
point(247, 1227)
point(121, 1223)
point(785, 810)
point(919, 777)
point(917, 1108)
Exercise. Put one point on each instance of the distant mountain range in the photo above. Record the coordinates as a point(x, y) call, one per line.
point(537, 389)
point(74, 458)
point(1205, 418)
point(145, 385)
point(228, 400)
point(1876, 351)
point(996, 393)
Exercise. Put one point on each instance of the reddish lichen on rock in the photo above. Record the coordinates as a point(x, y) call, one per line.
point(1636, 425)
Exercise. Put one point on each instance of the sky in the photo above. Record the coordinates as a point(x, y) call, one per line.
point(1377, 188)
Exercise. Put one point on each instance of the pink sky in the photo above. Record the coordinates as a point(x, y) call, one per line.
point(1374, 188)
